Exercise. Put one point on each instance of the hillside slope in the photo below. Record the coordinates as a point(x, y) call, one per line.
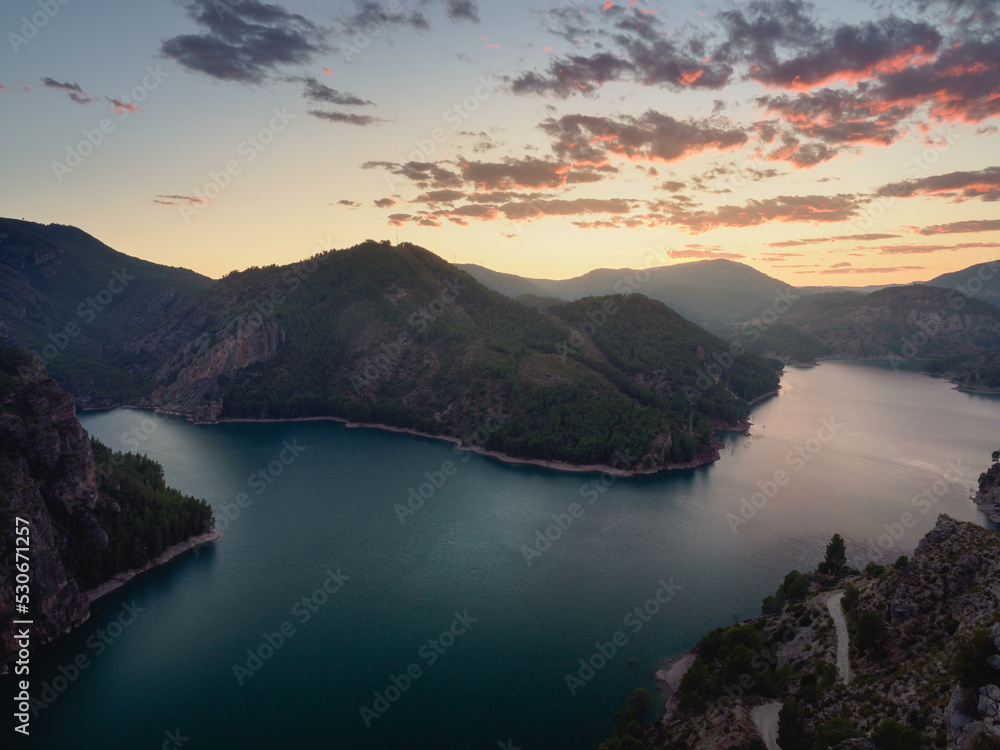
point(75, 302)
point(394, 335)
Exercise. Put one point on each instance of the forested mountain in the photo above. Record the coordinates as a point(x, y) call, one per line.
point(907, 322)
point(981, 281)
point(76, 302)
point(394, 335)
point(385, 334)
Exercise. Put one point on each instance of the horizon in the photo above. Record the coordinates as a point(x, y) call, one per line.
point(845, 147)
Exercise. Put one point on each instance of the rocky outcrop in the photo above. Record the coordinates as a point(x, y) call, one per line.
point(49, 479)
point(190, 380)
point(939, 615)
point(46, 463)
point(988, 496)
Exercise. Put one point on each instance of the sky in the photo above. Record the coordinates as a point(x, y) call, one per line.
point(847, 143)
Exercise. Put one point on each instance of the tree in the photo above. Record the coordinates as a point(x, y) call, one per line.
point(792, 733)
point(850, 598)
point(836, 556)
point(795, 586)
point(833, 732)
point(869, 630)
point(890, 735)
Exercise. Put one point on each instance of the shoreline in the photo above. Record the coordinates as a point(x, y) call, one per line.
point(120, 579)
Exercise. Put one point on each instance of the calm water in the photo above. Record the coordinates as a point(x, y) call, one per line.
point(868, 441)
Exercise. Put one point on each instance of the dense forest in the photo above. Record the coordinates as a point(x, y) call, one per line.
point(396, 336)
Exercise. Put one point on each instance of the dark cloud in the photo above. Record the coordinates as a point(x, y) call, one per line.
point(317, 91)
point(245, 41)
point(462, 10)
point(373, 16)
point(956, 227)
point(652, 136)
point(784, 208)
point(384, 203)
point(348, 203)
point(511, 173)
point(73, 90)
point(346, 117)
point(178, 200)
point(439, 196)
point(983, 184)
point(425, 175)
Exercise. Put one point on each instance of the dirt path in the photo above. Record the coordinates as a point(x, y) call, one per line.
point(843, 644)
point(766, 719)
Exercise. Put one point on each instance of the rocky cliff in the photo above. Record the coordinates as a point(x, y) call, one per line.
point(988, 496)
point(45, 462)
point(924, 659)
point(50, 478)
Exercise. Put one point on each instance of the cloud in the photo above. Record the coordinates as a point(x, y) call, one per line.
point(462, 10)
point(892, 269)
point(511, 173)
point(346, 117)
point(73, 90)
point(384, 203)
point(119, 107)
point(373, 16)
point(348, 203)
point(784, 208)
point(652, 136)
point(316, 91)
point(701, 253)
point(178, 200)
point(872, 236)
point(424, 175)
point(439, 196)
point(244, 42)
point(917, 249)
point(959, 186)
point(955, 227)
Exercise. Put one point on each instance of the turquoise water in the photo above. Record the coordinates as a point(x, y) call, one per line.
point(843, 448)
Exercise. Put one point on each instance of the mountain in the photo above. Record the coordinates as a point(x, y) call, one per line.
point(395, 335)
point(75, 302)
point(977, 373)
point(981, 281)
point(715, 294)
point(908, 322)
point(90, 513)
point(921, 646)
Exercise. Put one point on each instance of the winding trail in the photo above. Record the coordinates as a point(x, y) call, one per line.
point(843, 644)
point(766, 719)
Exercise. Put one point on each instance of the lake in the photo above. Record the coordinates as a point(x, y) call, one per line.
point(339, 594)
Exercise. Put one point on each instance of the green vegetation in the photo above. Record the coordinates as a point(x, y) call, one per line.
point(631, 721)
point(970, 668)
point(794, 588)
point(836, 556)
point(396, 336)
point(783, 341)
point(868, 630)
point(891, 735)
point(141, 515)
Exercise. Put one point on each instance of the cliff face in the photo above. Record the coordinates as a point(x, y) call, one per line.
point(988, 497)
point(47, 462)
point(924, 651)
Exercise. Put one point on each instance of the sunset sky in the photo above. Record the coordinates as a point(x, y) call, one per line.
point(845, 144)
